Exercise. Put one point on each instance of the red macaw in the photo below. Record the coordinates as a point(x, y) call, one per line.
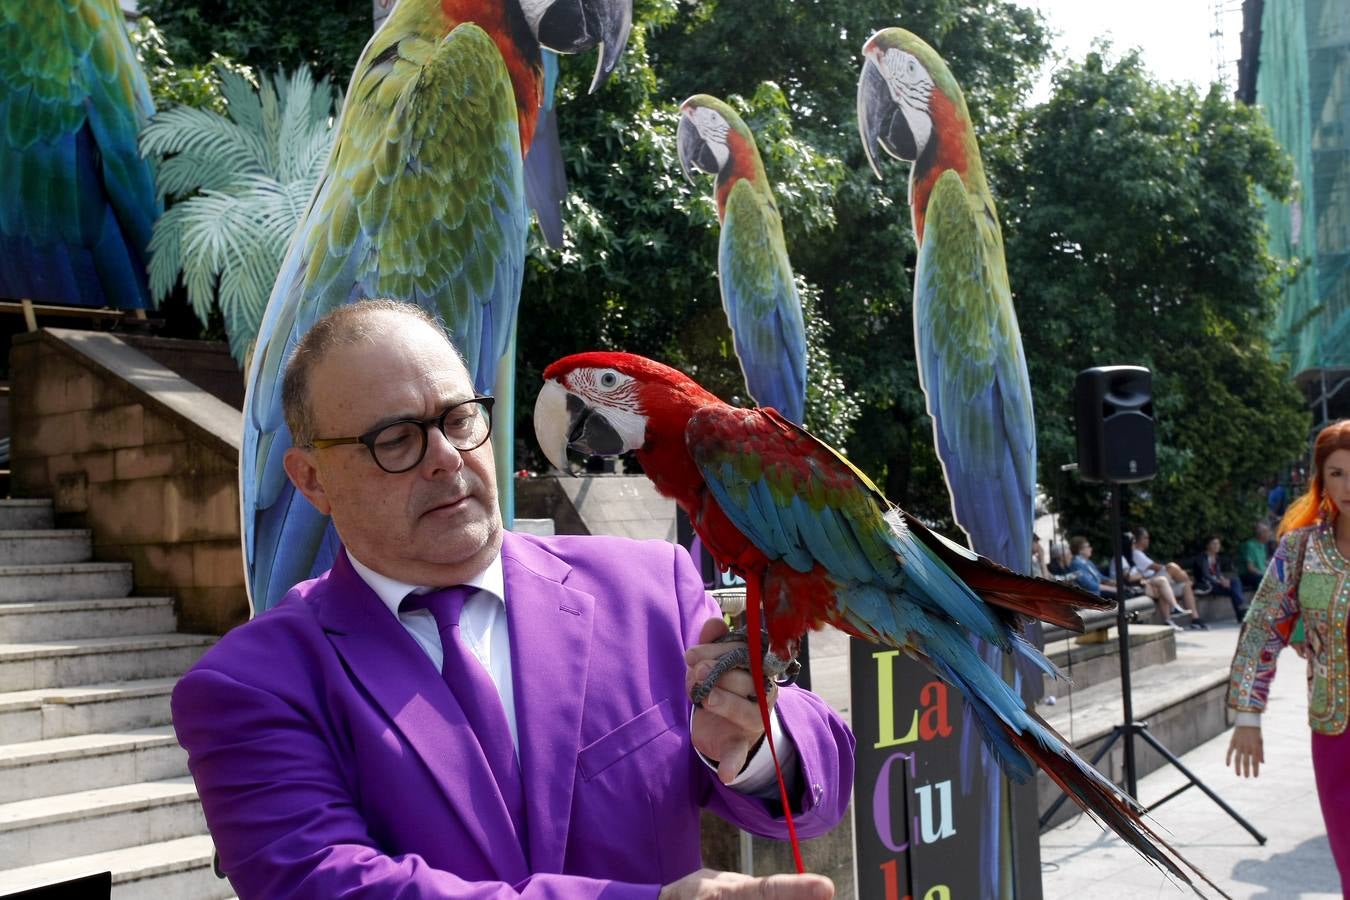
point(817, 544)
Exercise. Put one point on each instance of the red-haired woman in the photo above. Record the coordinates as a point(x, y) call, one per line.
point(1308, 580)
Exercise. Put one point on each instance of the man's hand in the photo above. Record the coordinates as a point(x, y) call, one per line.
point(727, 726)
point(706, 884)
point(1245, 753)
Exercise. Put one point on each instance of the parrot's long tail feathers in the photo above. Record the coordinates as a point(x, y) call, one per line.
point(1055, 602)
point(1021, 738)
point(1050, 601)
point(1099, 798)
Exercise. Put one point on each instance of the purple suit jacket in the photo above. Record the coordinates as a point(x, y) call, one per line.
point(332, 760)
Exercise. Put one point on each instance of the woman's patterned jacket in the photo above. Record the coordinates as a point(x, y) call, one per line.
point(1323, 603)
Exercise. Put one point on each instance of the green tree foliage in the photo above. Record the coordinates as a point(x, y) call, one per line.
point(1134, 236)
point(172, 84)
point(266, 34)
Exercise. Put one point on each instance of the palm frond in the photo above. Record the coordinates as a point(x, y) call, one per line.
point(213, 142)
point(251, 176)
point(241, 100)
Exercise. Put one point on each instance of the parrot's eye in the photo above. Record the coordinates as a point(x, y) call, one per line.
point(609, 379)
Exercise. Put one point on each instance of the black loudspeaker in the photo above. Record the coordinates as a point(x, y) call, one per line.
point(1113, 406)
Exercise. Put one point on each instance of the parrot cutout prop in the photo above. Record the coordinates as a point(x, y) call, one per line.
point(817, 543)
point(545, 177)
point(80, 200)
point(967, 344)
point(422, 200)
point(759, 295)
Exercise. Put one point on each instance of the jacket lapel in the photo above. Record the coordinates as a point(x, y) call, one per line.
point(385, 660)
point(550, 654)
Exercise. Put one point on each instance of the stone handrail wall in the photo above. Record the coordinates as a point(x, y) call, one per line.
point(145, 459)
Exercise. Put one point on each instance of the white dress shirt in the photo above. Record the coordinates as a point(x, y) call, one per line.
point(483, 628)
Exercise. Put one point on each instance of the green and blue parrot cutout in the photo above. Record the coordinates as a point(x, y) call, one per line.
point(967, 343)
point(79, 200)
point(759, 294)
point(423, 200)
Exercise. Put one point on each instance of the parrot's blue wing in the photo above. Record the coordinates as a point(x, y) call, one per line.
point(799, 500)
point(974, 374)
point(422, 201)
point(80, 201)
point(545, 177)
point(761, 301)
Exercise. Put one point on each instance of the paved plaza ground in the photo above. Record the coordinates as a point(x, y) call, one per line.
point(1080, 860)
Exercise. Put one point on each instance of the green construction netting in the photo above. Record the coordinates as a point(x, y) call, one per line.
point(1303, 84)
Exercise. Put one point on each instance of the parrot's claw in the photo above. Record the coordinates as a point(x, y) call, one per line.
point(777, 670)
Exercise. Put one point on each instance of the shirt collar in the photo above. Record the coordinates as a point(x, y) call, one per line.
point(392, 592)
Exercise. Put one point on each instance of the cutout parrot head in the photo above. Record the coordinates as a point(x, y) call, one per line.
point(895, 90)
point(704, 136)
point(574, 26)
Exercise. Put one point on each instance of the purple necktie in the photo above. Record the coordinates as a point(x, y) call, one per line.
point(477, 695)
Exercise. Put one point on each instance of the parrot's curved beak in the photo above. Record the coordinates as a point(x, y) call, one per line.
point(563, 420)
point(875, 110)
point(694, 152)
point(572, 26)
point(615, 20)
point(552, 423)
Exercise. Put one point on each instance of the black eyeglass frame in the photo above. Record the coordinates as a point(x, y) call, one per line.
point(367, 440)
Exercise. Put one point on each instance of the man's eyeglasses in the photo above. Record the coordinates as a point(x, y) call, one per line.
point(400, 446)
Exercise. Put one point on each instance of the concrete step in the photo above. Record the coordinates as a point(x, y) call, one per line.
point(64, 711)
point(85, 822)
point(1183, 703)
point(46, 545)
point(51, 620)
point(1097, 660)
point(25, 514)
point(24, 667)
point(63, 581)
point(87, 761)
point(176, 870)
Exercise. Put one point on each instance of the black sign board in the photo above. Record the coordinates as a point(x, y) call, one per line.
point(90, 887)
point(927, 822)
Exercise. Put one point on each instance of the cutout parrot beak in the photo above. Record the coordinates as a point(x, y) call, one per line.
point(572, 26)
point(552, 423)
point(690, 145)
point(874, 108)
point(616, 20)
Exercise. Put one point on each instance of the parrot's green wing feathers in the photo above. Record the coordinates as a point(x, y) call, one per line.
point(424, 168)
point(422, 201)
point(972, 366)
point(760, 299)
point(799, 500)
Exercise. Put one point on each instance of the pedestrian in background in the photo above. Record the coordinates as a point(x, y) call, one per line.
point(1308, 580)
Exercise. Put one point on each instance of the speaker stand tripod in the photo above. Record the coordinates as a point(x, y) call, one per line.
point(1130, 728)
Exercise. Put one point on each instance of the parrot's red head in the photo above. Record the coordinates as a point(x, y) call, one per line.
point(605, 404)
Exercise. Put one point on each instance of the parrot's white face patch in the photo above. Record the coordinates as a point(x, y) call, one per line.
point(534, 11)
point(712, 128)
point(616, 394)
point(911, 88)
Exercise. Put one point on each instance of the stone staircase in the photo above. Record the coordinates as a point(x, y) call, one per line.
point(91, 777)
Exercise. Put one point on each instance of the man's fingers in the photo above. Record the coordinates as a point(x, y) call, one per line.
point(712, 629)
point(738, 709)
point(710, 652)
point(731, 760)
point(796, 887)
